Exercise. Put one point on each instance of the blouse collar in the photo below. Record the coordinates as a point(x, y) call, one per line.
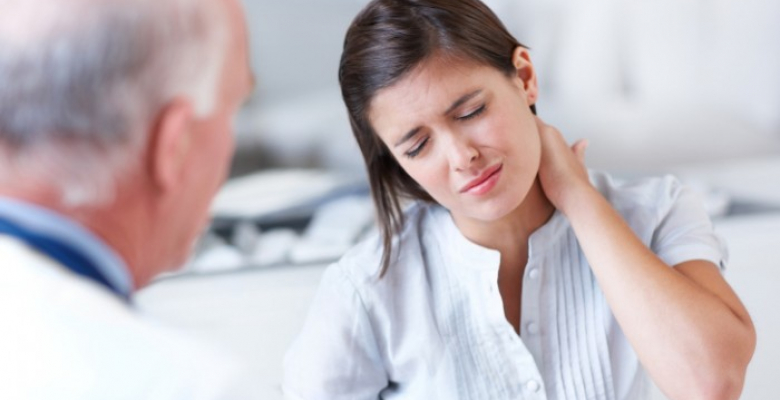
point(460, 251)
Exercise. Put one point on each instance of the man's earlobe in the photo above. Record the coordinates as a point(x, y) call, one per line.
point(169, 143)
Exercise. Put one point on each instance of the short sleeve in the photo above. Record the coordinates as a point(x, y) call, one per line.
point(685, 231)
point(336, 355)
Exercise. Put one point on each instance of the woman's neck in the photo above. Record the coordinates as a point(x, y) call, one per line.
point(509, 235)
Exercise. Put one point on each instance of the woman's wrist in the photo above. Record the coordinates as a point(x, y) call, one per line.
point(578, 197)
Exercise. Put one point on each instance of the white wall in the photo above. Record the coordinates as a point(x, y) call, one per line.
point(296, 44)
point(652, 84)
point(663, 82)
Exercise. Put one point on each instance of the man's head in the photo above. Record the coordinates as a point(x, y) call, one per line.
point(118, 113)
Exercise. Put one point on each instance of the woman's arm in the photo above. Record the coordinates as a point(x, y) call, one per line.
point(689, 329)
point(336, 355)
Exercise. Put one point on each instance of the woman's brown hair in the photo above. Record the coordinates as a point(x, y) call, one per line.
point(386, 41)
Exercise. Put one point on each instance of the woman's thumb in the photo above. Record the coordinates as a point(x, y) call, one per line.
point(579, 148)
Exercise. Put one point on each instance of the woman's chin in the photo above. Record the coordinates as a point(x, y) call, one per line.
point(491, 211)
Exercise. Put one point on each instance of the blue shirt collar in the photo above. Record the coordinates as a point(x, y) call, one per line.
point(48, 222)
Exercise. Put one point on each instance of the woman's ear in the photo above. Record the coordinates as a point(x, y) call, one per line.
point(525, 71)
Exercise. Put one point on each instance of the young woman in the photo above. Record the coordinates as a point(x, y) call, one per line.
point(515, 273)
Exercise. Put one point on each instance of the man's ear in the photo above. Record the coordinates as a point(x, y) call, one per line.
point(169, 143)
point(526, 72)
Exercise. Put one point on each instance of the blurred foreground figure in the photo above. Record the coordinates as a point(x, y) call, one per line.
point(115, 133)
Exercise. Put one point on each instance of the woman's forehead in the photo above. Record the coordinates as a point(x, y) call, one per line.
point(439, 79)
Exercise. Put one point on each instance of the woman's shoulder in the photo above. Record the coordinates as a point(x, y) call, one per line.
point(363, 262)
point(660, 210)
point(654, 194)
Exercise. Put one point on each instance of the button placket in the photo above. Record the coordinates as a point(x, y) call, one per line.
point(531, 294)
point(531, 322)
point(533, 386)
point(531, 285)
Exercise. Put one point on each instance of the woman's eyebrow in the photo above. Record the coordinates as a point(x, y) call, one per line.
point(408, 136)
point(459, 102)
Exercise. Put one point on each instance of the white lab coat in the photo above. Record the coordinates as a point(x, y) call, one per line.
point(63, 337)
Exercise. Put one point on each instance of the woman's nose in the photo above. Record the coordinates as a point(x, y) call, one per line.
point(462, 153)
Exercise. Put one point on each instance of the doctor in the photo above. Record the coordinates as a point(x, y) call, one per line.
point(115, 133)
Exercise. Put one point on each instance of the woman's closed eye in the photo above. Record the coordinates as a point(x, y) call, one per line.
point(420, 146)
point(414, 151)
point(473, 114)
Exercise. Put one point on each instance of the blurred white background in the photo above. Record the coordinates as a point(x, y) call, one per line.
point(690, 87)
point(653, 84)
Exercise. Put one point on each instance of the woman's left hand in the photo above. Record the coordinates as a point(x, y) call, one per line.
point(562, 171)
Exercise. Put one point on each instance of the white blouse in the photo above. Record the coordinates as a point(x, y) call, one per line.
point(434, 326)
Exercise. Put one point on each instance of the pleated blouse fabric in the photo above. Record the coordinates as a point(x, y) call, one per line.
point(434, 326)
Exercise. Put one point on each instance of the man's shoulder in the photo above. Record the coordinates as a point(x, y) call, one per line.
point(80, 338)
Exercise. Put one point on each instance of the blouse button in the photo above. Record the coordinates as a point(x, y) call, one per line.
point(533, 273)
point(532, 386)
point(532, 328)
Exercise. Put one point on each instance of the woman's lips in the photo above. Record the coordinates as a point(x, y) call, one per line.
point(484, 182)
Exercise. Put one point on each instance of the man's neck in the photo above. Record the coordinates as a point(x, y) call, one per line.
point(101, 220)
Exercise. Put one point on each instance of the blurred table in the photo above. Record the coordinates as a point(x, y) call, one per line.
point(254, 314)
point(754, 273)
point(754, 180)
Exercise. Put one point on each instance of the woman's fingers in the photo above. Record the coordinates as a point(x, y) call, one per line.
point(553, 140)
point(562, 171)
point(579, 148)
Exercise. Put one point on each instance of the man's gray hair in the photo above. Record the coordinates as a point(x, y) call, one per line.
point(82, 80)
